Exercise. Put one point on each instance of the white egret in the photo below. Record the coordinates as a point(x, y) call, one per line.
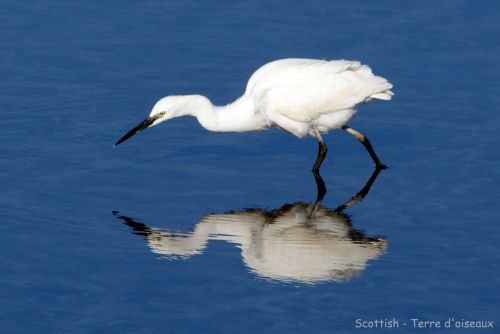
point(301, 96)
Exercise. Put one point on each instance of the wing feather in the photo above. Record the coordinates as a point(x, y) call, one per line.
point(304, 89)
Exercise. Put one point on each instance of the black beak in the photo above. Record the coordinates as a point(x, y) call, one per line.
point(143, 125)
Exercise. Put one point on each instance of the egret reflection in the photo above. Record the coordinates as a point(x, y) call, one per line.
point(299, 242)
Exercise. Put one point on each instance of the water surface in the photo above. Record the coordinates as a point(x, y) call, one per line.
point(76, 76)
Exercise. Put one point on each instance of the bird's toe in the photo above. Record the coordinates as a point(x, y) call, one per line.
point(381, 166)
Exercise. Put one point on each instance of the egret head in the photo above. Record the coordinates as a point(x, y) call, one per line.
point(165, 109)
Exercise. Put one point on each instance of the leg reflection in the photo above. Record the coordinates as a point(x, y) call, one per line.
point(363, 192)
point(321, 191)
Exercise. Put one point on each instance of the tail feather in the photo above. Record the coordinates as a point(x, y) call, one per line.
point(387, 95)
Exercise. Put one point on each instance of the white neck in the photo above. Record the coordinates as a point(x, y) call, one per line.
point(238, 116)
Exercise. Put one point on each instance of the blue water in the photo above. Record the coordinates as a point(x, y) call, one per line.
point(77, 75)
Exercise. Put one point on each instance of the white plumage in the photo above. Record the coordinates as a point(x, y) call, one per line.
point(300, 96)
point(296, 94)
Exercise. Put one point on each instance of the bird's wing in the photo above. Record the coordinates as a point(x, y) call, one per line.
point(303, 89)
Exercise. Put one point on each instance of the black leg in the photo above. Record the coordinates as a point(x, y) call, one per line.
point(322, 150)
point(320, 186)
point(366, 143)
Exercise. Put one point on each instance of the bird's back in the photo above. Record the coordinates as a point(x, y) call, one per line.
point(302, 90)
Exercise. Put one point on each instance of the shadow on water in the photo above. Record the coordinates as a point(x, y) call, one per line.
point(300, 242)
